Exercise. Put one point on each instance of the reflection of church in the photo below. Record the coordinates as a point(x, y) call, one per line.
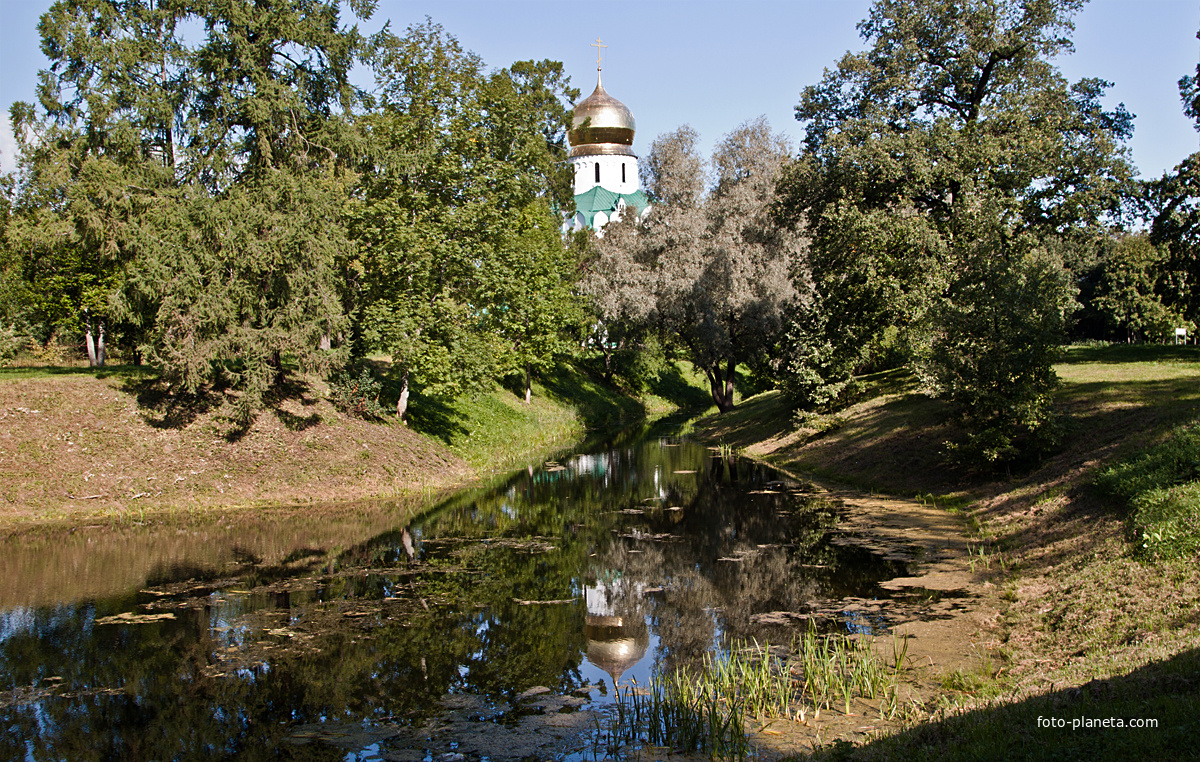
point(615, 627)
point(602, 157)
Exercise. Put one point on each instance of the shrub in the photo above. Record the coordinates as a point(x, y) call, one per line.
point(1162, 486)
point(11, 343)
point(357, 396)
point(1166, 522)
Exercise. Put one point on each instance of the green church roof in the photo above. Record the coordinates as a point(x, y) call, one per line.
point(599, 199)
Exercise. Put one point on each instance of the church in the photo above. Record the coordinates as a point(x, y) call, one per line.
point(602, 157)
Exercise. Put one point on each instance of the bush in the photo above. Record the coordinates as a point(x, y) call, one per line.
point(1162, 486)
point(992, 351)
point(357, 396)
point(1166, 522)
point(11, 343)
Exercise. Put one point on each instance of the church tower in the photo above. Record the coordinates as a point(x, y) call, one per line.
point(602, 157)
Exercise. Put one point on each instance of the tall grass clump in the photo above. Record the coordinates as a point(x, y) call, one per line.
point(1161, 486)
point(705, 710)
point(681, 713)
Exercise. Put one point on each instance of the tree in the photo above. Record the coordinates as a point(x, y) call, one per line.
point(529, 285)
point(101, 141)
point(1173, 208)
point(1174, 211)
point(241, 270)
point(192, 192)
point(940, 159)
point(1125, 294)
point(456, 158)
point(711, 271)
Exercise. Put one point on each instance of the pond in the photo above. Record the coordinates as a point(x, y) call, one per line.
point(492, 626)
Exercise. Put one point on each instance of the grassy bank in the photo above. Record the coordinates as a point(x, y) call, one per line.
point(1091, 626)
point(80, 445)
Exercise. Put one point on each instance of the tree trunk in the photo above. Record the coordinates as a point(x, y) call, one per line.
point(101, 355)
point(90, 340)
point(528, 384)
point(721, 386)
point(402, 403)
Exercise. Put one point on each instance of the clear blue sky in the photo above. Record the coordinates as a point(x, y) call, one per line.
point(715, 65)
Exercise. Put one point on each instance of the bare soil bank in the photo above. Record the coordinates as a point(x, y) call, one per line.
point(78, 448)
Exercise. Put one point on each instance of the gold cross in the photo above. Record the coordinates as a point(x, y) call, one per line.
point(597, 45)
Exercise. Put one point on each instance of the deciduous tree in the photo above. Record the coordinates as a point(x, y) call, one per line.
point(938, 160)
point(457, 159)
point(710, 269)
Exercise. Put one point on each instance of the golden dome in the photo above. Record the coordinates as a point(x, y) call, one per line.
point(601, 125)
point(614, 644)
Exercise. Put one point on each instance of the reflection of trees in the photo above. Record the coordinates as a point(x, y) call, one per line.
point(691, 544)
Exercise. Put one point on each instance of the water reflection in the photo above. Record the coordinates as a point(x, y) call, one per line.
point(640, 554)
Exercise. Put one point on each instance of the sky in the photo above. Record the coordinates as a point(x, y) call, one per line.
point(714, 65)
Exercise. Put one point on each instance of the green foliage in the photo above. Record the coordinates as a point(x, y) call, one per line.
point(709, 271)
point(450, 215)
point(917, 197)
point(187, 194)
point(11, 343)
point(1172, 203)
point(1162, 487)
point(357, 395)
point(528, 286)
point(1125, 294)
point(1000, 333)
point(1174, 210)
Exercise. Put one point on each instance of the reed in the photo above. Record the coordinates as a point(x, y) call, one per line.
point(704, 710)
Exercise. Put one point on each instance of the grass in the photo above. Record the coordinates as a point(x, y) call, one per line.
point(706, 710)
point(1161, 486)
point(1089, 623)
point(495, 430)
point(111, 444)
point(17, 372)
point(1062, 723)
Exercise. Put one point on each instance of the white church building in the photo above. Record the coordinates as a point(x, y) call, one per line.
point(602, 157)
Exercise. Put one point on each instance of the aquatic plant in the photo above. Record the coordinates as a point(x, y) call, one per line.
point(704, 710)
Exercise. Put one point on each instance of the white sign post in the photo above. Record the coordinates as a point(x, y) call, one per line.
point(1180, 335)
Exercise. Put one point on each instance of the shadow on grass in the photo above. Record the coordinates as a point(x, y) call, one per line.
point(294, 422)
point(1130, 353)
point(162, 408)
point(599, 405)
point(436, 418)
point(675, 388)
point(45, 371)
point(1092, 722)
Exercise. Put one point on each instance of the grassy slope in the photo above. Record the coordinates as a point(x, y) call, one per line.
point(79, 445)
point(1122, 636)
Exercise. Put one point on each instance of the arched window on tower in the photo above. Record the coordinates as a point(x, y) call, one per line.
point(597, 172)
point(622, 172)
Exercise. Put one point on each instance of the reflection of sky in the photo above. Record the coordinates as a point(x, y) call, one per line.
point(17, 621)
point(590, 465)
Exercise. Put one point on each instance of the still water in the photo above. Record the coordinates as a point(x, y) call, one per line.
point(632, 555)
